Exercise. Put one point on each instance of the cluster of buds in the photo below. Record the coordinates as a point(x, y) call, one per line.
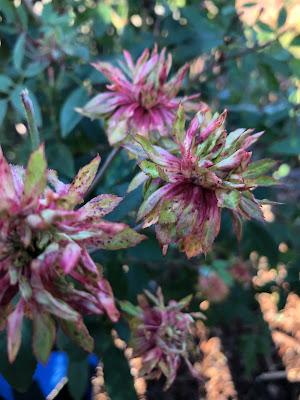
point(209, 171)
point(45, 268)
point(161, 335)
point(140, 100)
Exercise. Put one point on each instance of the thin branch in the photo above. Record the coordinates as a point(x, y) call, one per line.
point(271, 376)
point(239, 54)
point(112, 155)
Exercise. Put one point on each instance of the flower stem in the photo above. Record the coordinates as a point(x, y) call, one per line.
point(112, 155)
point(34, 133)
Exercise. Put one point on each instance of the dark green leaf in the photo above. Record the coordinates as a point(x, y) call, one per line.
point(78, 378)
point(7, 7)
point(289, 146)
point(63, 343)
point(5, 83)
point(35, 68)
point(43, 335)
point(264, 27)
point(22, 14)
point(295, 41)
point(3, 108)
point(117, 378)
point(68, 117)
point(123, 330)
point(281, 17)
point(60, 158)
point(77, 332)
point(19, 374)
point(19, 51)
point(117, 384)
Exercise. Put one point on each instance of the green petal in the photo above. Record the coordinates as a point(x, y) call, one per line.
point(266, 181)
point(84, 178)
point(36, 176)
point(149, 168)
point(259, 168)
point(43, 335)
point(179, 125)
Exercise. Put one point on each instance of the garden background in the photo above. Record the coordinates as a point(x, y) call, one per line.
point(244, 56)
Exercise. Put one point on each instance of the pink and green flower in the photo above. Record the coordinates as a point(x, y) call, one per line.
point(140, 98)
point(188, 189)
point(161, 335)
point(45, 268)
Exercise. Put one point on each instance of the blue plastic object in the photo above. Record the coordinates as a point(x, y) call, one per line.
point(47, 377)
point(5, 389)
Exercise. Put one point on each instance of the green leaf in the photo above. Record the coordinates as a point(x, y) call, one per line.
point(259, 168)
point(43, 335)
point(237, 224)
point(126, 238)
point(23, 16)
point(64, 343)
point(19, 51)
point(267, 181)
point(78, 378)
point(130, 309)
point(60, 159)
point(281, 17)
point(118, 385)
point(295, 41)
point(179, 124)
point(249, 4)
point(139, 178)
point(68, 117)
point(122, 382)
point(19, 374)
point(3, 108)
point(35, 68)
point(264, 27)
point(228, 200)
point(123, 330)
point(7, 7)
point(35, 178)
point(5, 83)
point(149, 168)
point(17, 104)
point(85, 177)
point(77, 332)
point(290, 146)
point(250, 207)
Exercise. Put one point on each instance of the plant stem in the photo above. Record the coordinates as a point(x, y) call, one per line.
point(34, 133)
point(112, 155)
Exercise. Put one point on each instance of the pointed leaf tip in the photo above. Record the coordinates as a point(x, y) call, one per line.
point(36, 175)
point(85, 178)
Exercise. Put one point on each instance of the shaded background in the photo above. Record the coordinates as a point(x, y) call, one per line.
point(244, 57)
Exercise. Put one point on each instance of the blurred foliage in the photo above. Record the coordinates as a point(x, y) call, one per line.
point(250, 69)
